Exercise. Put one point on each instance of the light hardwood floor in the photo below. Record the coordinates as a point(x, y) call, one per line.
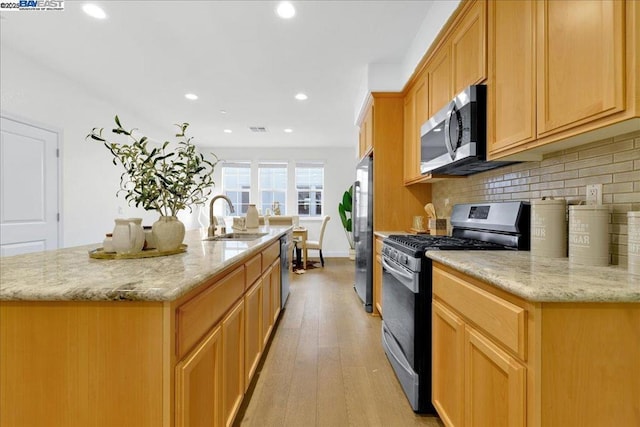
point(325, 365)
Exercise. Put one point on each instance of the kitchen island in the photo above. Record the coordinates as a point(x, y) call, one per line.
point(521, 340)
point(166, 341)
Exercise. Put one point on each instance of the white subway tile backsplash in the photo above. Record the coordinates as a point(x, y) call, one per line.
point(613, 162)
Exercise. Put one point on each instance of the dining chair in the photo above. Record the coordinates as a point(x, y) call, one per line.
point(317, 244)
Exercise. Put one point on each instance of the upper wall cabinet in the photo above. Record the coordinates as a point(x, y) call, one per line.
point(511, 87)
point(468, 48)
point(365, 142)
point(440, 79)
point(580, 62)
point(575, 79)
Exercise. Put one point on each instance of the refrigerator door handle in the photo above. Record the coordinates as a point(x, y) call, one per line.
point(354, 207)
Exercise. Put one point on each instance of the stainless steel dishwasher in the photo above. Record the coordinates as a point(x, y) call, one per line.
point(286, 242)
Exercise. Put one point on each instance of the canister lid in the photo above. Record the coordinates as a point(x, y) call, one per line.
point(549, 201)
point(633, 214)
point(589, 208)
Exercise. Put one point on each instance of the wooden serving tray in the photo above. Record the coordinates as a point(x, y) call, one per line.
point(147, 253)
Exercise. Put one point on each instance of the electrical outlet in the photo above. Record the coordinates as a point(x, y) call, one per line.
point(594, 194)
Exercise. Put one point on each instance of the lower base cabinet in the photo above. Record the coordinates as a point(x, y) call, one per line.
point(180, 363)
point(199, 384)
point(494, 384)
point(500, 360)
point(233, 361)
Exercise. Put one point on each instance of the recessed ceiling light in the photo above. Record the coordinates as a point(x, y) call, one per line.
point(223, 112)
point(301, 96)
point(288, 130)
point(227, 131)
point(94, 11)
point(286, 10)
point(191, 96)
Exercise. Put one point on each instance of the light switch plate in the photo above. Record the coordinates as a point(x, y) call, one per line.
point(594, 194)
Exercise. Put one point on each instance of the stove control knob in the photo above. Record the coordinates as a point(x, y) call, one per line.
point(404, 259)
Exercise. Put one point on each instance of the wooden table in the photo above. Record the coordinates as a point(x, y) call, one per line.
point(300, 235)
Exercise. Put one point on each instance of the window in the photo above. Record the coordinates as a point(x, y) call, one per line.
point(309, 188)
point(236, 184)
point(273, 187)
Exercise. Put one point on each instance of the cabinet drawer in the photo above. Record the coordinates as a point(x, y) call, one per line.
point(270, 254)
point(198, 315)
point(254, 270)
point(503, 320)
point(378, 245)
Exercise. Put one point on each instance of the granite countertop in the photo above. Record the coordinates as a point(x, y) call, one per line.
point(542, 279)
point(70, 275)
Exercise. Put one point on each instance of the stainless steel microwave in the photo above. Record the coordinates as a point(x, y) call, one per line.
point(453, 141)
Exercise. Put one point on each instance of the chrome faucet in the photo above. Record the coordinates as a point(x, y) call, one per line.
point(213, 222)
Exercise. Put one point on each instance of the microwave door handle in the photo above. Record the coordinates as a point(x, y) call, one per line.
point(447, 130)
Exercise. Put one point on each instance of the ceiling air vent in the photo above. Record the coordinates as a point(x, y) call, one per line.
point(257, 129)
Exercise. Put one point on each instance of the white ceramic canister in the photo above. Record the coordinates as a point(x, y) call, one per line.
point(252, 217)
point(633, 242)
point(589, 234)
point(549, 227)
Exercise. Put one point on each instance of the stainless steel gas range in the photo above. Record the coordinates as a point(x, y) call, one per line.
point(407, 289)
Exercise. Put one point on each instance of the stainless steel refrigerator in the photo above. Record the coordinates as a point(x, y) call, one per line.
point(363, 231)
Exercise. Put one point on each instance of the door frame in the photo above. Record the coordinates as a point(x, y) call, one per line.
point(60, 135)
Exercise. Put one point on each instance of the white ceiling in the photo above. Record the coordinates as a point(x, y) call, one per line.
point(237, 56)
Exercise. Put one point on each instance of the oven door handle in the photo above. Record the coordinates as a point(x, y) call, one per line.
point(407, 279)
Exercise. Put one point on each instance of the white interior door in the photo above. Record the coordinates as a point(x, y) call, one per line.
point(28, 188)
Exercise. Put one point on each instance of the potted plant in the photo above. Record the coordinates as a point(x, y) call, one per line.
point(159, 178)
point(344, 209)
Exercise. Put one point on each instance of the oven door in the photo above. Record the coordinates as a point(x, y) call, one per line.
point(399, 295)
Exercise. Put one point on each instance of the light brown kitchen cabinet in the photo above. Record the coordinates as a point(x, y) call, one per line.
point(466, 322)
point(366, 132)
point(377, 278)
point(267, 320)
point(576, 73)
point(494, 384)
point(469, 48)
point(500, 360)
point(389, 190)
point(199, 384)
point(440, 79)
point(275, 292)
point(253, 330)
point(580, 62)
point(511, 117)
point(447, 380)
point(410, 140)
point(233, 362)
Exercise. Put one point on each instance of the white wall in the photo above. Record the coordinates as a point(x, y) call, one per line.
point(31, 91)
point(34, 92)
point(339, 174)
point(393, 77)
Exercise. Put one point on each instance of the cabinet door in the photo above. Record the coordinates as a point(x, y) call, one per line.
point(198, 384)
point(368, 141)
point(511, 86)
point(439, 79)
point(495, 384)
point(469, 48)
point(253, 331)
point(275, 291)
point(377, 286)
point(411, 138)
point(267, 320)
point(448, 365)
point(580, 49)
point(233, 362)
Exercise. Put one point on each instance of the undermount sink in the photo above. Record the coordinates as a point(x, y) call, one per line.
point(245, 237)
